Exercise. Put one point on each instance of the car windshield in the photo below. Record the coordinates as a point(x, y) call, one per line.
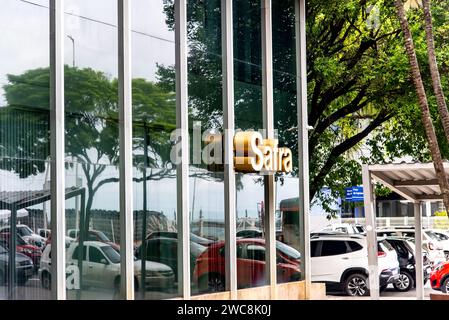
point(20, 241)
point(288, 251)
point(3, 250)
point(112, 255)
point(24, 231)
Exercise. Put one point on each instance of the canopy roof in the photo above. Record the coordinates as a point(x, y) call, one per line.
point(22, 199)
point(413, 181)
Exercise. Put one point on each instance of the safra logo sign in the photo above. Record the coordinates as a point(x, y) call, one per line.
point(253, 153)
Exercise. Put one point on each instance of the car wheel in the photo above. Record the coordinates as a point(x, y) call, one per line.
point(46, 280)
point(356, 285)
point(404, 283)
point(445, 286)
point(212, 282)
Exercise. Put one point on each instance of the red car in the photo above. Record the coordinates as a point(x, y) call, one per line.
point(209, 271)
point(31, 251)
point(439, 279)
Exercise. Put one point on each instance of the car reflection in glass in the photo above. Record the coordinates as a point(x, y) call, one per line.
point(165, 250)
point(101, 268)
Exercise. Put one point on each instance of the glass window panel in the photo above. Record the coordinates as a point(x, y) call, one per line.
point(24, 147)
point(207, 227)
point(92, 140)
point(155, 177)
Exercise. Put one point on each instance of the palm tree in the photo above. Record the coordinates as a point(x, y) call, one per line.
point(422, 98)
point(434, 71)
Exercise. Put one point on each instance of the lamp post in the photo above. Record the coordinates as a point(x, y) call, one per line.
point(73, 50)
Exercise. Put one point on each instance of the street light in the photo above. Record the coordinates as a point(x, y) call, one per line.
point(73, 46)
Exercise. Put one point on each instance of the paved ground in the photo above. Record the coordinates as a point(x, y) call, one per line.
point(34, 291)
point(389, 294)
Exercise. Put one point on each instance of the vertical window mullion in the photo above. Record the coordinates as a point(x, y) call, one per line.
point(182, 117)
point(125, 136)
point(57, 149)
point(303, 143)
point(229, 128)
point(268, 123)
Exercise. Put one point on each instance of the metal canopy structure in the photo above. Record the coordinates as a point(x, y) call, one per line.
point(416, 182)
point(16, 200)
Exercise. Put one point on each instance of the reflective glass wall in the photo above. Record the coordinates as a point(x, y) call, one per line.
point(92, 156)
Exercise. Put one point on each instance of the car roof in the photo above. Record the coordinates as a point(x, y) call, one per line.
point(338, 236)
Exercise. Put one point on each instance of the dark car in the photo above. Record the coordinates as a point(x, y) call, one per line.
point(174, 235)
point(24, 267)
point(165, 251)
point(406, 258)
point(249, 233)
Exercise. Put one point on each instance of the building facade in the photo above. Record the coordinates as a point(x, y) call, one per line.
point(100, 101)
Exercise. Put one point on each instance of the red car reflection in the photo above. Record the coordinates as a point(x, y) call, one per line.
point(31, 251)
point(209, 272)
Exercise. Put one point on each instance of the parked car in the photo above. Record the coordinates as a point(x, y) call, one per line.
point(341, 227)
point(27, 234)
point(360, 228)
point(101, 268)
point(341, 262)
point(209, 271)
point(24, 267)
point(249, 233)
point(165, 250)
point(442, 237)
point(44, 233)
point(31, 251)
point(174, 235)
point(406, 258)
point(68, 240)
point(439, 279)
point(433, 248)
point(94, 235)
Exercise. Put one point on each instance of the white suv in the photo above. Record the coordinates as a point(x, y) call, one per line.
point(340, 227)
point(341, 261)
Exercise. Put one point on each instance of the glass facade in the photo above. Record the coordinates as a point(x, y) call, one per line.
point(176, 67)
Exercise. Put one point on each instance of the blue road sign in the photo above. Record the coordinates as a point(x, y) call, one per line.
point(354, 194)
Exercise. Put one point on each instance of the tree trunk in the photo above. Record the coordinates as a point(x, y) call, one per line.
point(434, 71)
point(422, 100)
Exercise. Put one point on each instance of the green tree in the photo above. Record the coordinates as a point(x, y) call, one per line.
point(91, 125)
